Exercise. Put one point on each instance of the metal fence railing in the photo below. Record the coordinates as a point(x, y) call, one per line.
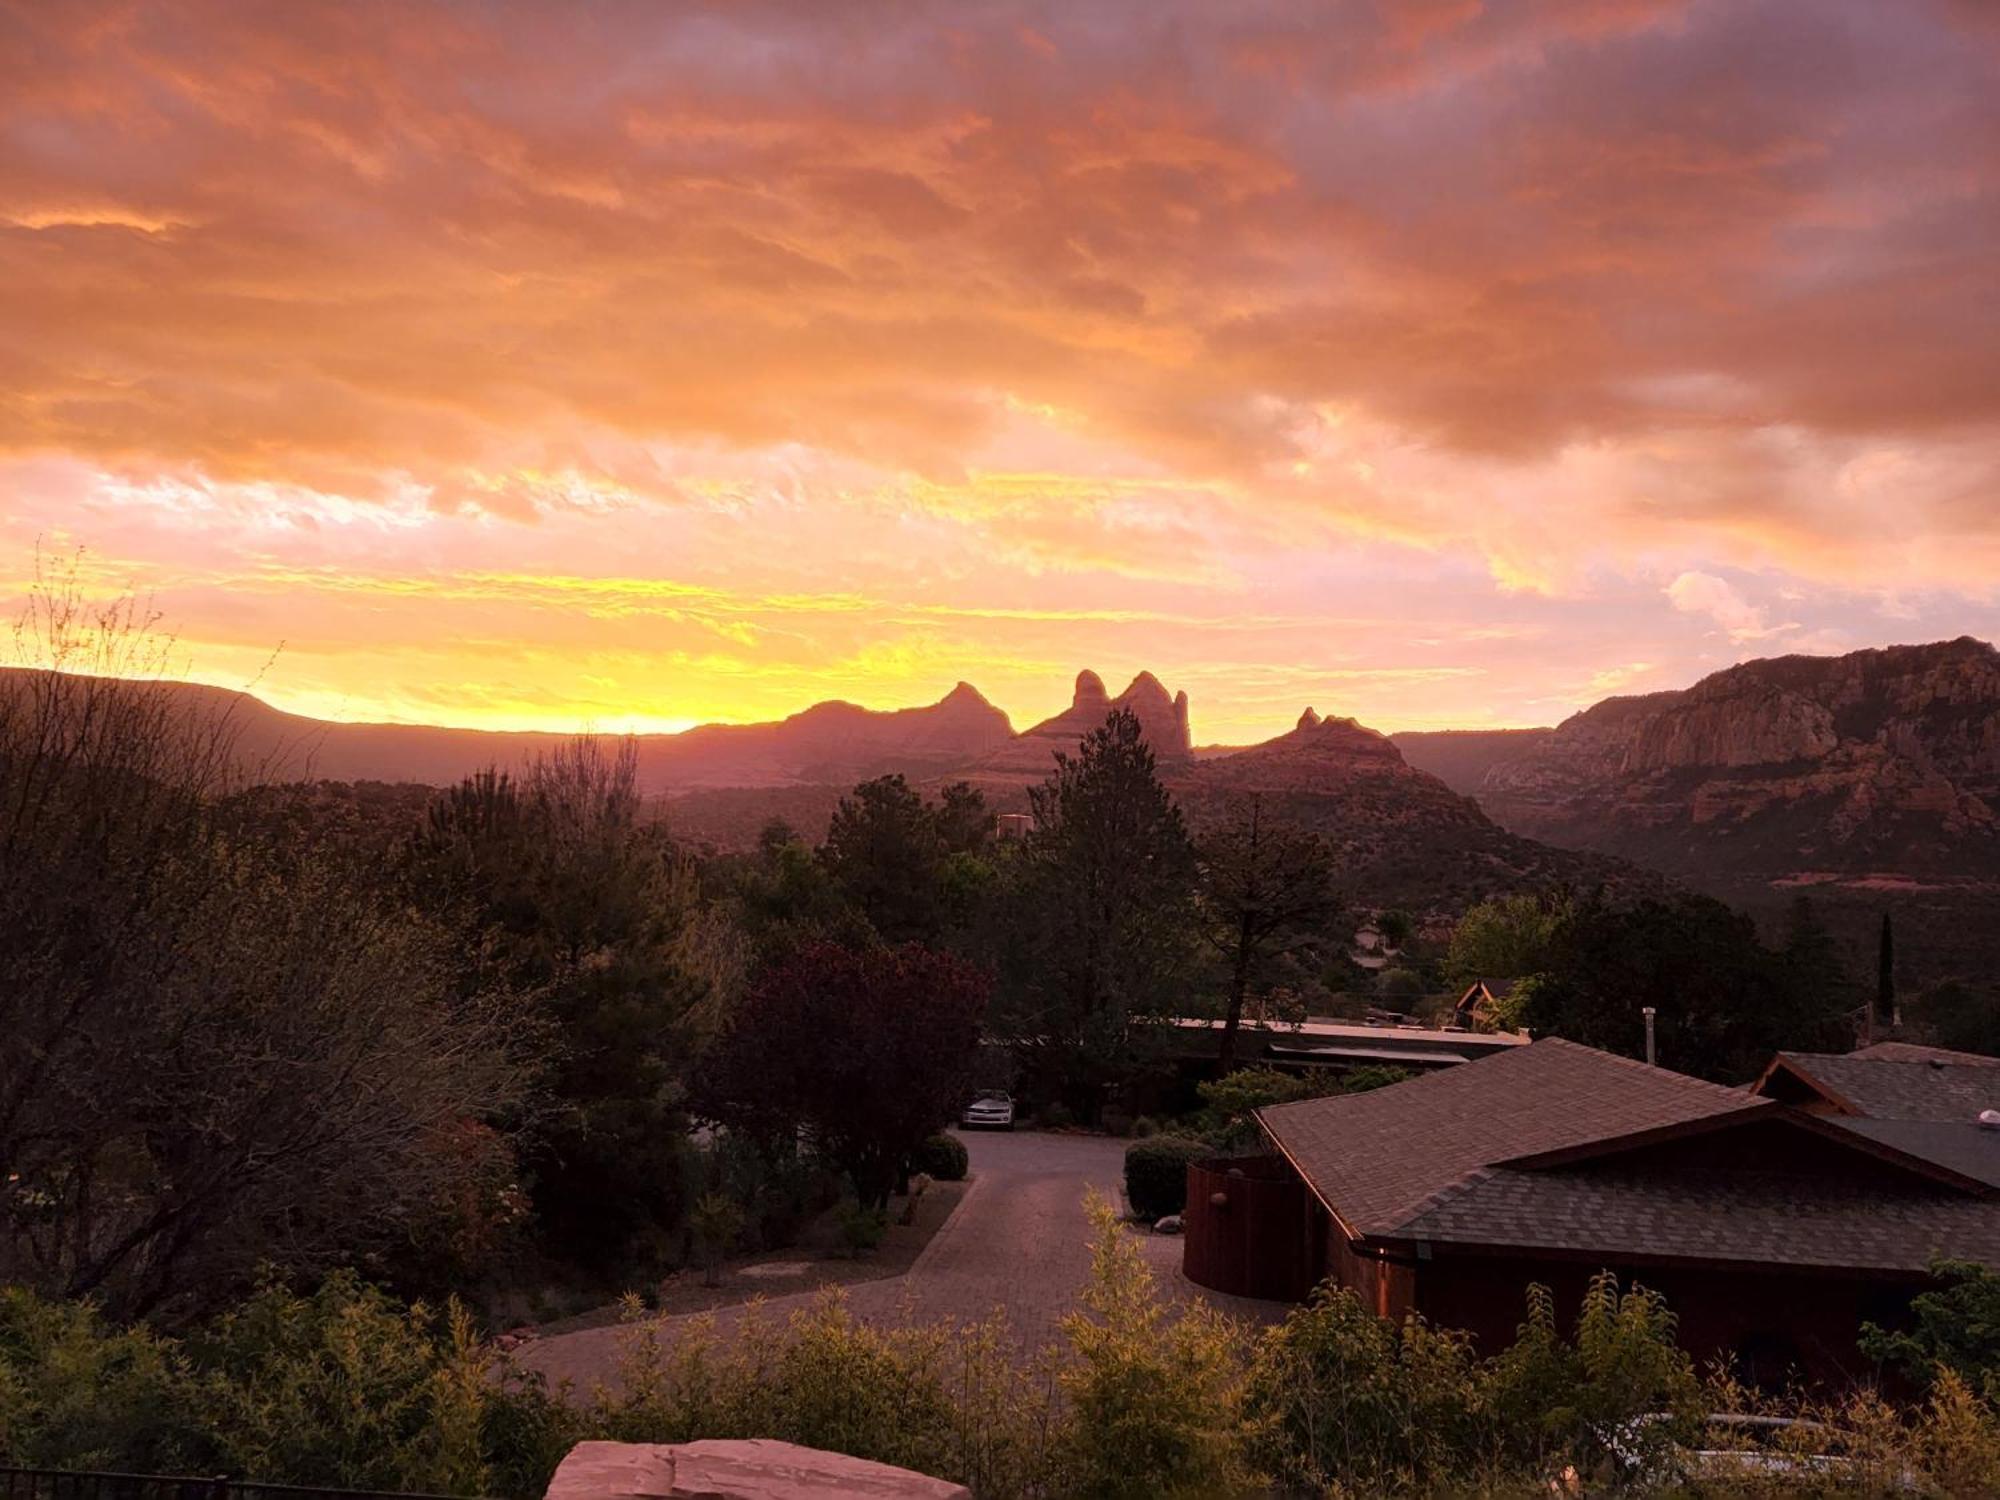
point(82, 1484)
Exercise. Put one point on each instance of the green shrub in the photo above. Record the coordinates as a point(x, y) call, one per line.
point(1340, 1400)
point(1156, 1173)
point(943, 1158)
point(1955, 1326)
point(1152, 1399)
point(77, 1393)
point(349, 1388)
point(1055, 1117)
point(717, 1221)
point(861, 1230)
point(946, 1400)
point(1145, 1126)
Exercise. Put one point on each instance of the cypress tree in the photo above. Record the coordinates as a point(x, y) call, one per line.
point(1885, 974)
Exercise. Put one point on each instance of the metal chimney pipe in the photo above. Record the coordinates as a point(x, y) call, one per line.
point(1649, 1012)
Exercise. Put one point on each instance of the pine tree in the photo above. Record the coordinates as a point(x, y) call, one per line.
point(1885, 974)
point(1103, 923)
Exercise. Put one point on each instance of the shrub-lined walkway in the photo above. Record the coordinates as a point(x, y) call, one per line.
point(1019, 1241)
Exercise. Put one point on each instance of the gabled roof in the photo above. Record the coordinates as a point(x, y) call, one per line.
point(1917, 1052)
point(1376, 1158)
point(1480, 991)
point(1527, 1150)
point(1938, 1086)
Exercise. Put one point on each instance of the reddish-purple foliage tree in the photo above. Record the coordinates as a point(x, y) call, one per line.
point(866, 1051)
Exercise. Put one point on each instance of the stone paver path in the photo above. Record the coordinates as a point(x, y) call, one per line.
point(1019, 1242)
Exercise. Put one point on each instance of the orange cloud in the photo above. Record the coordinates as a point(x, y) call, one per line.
point(1042, 327)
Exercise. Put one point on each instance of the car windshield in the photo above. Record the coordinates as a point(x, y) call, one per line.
point(992, 1096)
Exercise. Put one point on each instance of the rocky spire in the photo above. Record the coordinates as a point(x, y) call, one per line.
point(1309, 719)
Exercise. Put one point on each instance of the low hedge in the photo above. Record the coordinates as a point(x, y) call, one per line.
point(1156, 1173)
point(942, 1158)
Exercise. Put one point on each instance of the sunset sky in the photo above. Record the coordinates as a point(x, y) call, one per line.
point(630, 365)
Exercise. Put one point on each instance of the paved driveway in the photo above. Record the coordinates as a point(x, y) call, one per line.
point(1019, 1242)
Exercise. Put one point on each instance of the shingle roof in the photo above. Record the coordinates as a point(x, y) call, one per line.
point(1967, 1149)
point(1501, 1152)
point(1376, 1157)
point(1916, 1052)
point(1892, 1088)
point(1737, 1217)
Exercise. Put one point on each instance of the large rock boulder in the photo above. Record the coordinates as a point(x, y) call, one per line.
point(749, 1469)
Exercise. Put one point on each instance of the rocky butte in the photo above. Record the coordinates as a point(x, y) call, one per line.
point(1029, 756)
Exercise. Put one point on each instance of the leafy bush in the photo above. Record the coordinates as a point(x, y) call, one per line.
point(862, 1229)
point(78, 1393)
point(781, 1188)
point(1151, 1399)
point(350, 1387)
point(343, 1388)
point(1055, 1116)
point(717, 1221)
point(1338, 1399)
point(1955, 1326)
point(1373, 1076)
point(1156, 1173)
point(1229, 1104)
point(949, 1401)
point(1145, 1126)
point(943, 1158)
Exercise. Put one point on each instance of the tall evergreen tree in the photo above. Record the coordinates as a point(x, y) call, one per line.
point(1885, 974)
point(1103, 926)
point(884, 850)
point(1267, 893)
point(586, 905)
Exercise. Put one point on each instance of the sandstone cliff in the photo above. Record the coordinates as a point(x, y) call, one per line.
point(1881, 763)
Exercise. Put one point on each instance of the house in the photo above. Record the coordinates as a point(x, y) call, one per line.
point(1370, 948)
point(1774, 1231)
point(1482, 1003)
point(1336, 1045)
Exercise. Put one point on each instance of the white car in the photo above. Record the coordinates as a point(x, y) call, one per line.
point(992, 1110)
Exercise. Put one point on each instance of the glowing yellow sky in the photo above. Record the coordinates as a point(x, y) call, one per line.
point(632, 365)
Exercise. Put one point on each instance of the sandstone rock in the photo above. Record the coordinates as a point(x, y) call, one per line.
point(1878, 761)
point(751, 1469)
point(1030, 756)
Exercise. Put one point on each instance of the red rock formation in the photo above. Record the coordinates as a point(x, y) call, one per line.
point(1030, 756)
point(734, 1469)
point(1879, 761)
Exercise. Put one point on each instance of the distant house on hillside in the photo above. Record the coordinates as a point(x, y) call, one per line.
point(1773, 1229)
point(1371, 949)
point(1336, 1046)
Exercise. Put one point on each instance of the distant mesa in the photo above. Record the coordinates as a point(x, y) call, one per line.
point(1878, 762)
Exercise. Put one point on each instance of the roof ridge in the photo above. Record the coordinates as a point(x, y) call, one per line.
point(1651, 1069)
point(1438, 1197)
